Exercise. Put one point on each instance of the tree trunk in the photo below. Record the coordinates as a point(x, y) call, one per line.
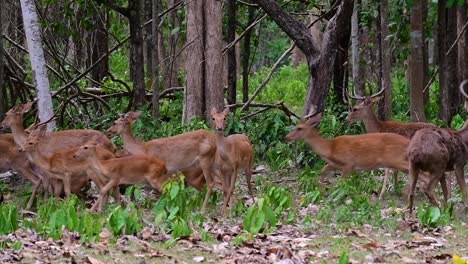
point(137, 72)
point(213, 55)
point(356, 51)
point(462, 43)
point(148, 39)
point(246, 57)
point(155, 59)
point(339, 68)
point(2, 80)
point(416, 64)
point(441, 58)
point(99, 47)
point(425, 50)
point(452, 98)
point(319, 61)
point(38, 64)
point(171, 65)
point(385, 103)
point(194, 63)
point(232, 63)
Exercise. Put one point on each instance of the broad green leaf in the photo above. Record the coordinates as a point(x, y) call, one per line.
point(257, 223)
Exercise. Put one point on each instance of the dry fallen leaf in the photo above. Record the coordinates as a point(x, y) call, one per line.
point(355, 232)
point(105, 235)
point(198, 259)
point(92, 260)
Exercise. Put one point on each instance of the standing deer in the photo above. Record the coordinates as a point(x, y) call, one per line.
point(233, 153)
point(436, 150)
point(364, 112)
point(61, 165)
point(126, 170)
point(52, 141)
point(355, 152)
point(191, 153)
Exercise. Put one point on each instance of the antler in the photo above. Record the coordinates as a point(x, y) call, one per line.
point(358, 97)
point(312, 112)
point(462, 90)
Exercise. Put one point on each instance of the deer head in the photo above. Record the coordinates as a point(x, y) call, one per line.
point(15, 114)
point(219, 119)
point(33, 139)
point(362, 110)
point(122, 123)
point(305, 126)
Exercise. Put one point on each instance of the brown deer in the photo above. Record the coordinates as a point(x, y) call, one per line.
point(62, 166)
point(53, 141)
point(436, 150)
point(233, 153)
point(363, 112)
point(355, 152)
point(12, 159)
point(191, 153)
point(126, 170)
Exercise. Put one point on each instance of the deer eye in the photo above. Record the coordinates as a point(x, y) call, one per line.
point(213, 118)
point(299, 128)
point(85, 148)
point(30, 143)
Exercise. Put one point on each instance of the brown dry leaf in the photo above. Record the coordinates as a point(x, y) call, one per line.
point(92, 260)
point(104, 235)
point(146, 233)
point(155, 254)
point(371, 245)
point(355, 232)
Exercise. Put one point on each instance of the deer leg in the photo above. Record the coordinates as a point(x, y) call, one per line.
point(248, 178)
point(232, 184)
point(33, 194)
point(431, 186)
point(384, 185)
point(67, 184)
point(345, 172)
point(227, 182)
point(443, 186)
point(395, 178)
point(326, 169)
point(205, 164)
point(412, 179)
point(461, 182)
point(103, 194)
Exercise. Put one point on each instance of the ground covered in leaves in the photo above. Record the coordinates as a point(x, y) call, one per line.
point(341, 222)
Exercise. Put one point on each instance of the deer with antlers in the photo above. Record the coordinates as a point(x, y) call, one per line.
point(363, 112)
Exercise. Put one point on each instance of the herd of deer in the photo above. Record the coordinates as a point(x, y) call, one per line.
point(63, 162)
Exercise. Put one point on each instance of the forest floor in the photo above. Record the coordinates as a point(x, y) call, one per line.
point(395, 238)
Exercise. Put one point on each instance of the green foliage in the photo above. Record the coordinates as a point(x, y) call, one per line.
point(8, 219)
point(257, 215)
point(433, 216)
point(124, 221)
point(344, 258)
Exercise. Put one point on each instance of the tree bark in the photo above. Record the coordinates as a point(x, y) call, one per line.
point(213, 55)
point(416, 64)
point(155, 59)
point(356, 50)
point(148, 39)
point(319, 61)
point(171, 65)
point(451, 97)
point(137, 72)
point(38, 64)
point(425, 11)
point(385, 103)
point(246, 56)
point(99, 47)
point(232, 63)
point(194, 63)
point(339, 67)
point(462, 43)
point(441, 58)
point(2, 80)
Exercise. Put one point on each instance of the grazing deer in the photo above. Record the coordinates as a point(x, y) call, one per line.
point(355, 152)
point(53, 141)
point(126, 170)
point(62, 166)
point(364, 112)
point(436, 150)
point(12, 159)
point(191, 153)
point(233, 153)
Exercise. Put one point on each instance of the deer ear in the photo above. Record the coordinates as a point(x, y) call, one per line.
point(26, 107)
point(213, 110)
point(226, 111)
point(375, 99)
point(132, 116)
point(314, 120)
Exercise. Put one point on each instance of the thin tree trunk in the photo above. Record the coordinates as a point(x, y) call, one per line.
point(137, 71)
point(232, 62)
point(38, 64)
point(194, 63)
point(385, 104)
point(246, 57)
point(426, 50)
point(148, 39)
point(339, 68)
point(213, 55)
point(355, 50)
point(462, 43)
point(2, 81)
point(416, 64)
point(155, 59)
point(452, 100)
point(172, 46)
point(99, 47)
point(441, 58)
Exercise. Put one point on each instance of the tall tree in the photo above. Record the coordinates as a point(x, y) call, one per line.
point(356, 51)
point(232, 63)
point(38, 64)
point(246, 55)
point(416, 65)
point(155, 58)
point(194, 68)
point(148, 38)
point(385, 104)
point(99, 46)
point(462, 19)
point(2, 82)
point(319, 61)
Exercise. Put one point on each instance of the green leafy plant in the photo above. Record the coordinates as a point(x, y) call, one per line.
point(257, 215)
point(8, 219)
point(124, 220)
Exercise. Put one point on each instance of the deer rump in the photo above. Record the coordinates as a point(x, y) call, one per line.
point(432, 149)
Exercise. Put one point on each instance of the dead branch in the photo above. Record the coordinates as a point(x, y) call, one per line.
point(279, 106)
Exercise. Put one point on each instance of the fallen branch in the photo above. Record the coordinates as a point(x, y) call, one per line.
point(279, 106)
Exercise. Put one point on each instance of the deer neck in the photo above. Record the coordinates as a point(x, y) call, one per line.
point(19, 135)
point(318, 144)
point(95, 163)
point(130, 144)
point(41, 160)
point(222, 147)
point(372, 123)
